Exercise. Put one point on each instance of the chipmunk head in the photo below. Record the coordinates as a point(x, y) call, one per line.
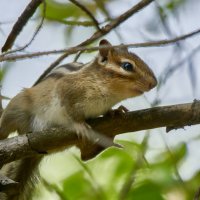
point(131, 75)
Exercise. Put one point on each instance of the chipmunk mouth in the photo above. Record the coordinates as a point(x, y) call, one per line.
point(138, 91)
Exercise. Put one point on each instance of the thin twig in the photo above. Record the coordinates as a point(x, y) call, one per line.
point(96, 186)
point(77, 56)
point(72, 50)
point(110, 26)
point(102, 7)
point(53, 188)
point(73, 22)
point(87, 11)
point(171, 69)
point(21, 22)
point(174, 163)
point(137, 165)
point(34, 35)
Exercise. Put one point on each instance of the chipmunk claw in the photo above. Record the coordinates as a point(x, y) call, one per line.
point(83, 131)
point(121, 110)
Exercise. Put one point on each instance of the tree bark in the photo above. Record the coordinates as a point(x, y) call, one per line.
point(56, 139)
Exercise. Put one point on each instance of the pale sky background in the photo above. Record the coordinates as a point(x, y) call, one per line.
point(141, 27)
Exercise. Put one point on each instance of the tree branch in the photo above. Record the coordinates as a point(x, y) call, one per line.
point(21, 22)
point(110, 26)
point(33, 144)
point(72, 50)
point(34, 34)
point(82, 7)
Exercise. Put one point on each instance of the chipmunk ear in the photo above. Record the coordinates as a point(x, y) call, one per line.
point(125, 49)
point(104, 52)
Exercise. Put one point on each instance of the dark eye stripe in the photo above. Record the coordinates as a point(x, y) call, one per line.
point(127, 66)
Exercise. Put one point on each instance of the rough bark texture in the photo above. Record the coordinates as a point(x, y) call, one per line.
point(56, 139)
point(172, 117)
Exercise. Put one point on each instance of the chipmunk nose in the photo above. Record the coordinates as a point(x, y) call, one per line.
point(153, 83)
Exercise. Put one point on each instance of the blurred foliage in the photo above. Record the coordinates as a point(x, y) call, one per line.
point(165, 9)
point(4, 68)
point(126, 173)
point(2, 73)
point(58, 11)
point(68, 14)
point(119, 174)
point(172, 5)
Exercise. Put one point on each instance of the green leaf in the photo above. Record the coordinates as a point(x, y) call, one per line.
point(4, 69)
point(174, 4)
point(147, 190)
point(78, 187)
point(162, 174)
point(111, 168)
point(2, 73)
point(180, 152)
point(174, 156)
point(59, 11)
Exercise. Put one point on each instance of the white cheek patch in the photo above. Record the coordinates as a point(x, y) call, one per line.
point(128, 60)
point(118, 68)
point(122, 71)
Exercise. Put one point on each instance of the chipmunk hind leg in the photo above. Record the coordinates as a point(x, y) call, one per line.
point(14, 120)
point(7, 127)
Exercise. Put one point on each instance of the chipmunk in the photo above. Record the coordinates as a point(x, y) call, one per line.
point(68, 96)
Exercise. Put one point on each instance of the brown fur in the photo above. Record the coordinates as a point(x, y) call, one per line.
point(85, 93)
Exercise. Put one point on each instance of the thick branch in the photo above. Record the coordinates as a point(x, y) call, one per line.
point(172, 117)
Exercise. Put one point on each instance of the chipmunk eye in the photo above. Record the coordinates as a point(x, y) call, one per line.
point(127, 66)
